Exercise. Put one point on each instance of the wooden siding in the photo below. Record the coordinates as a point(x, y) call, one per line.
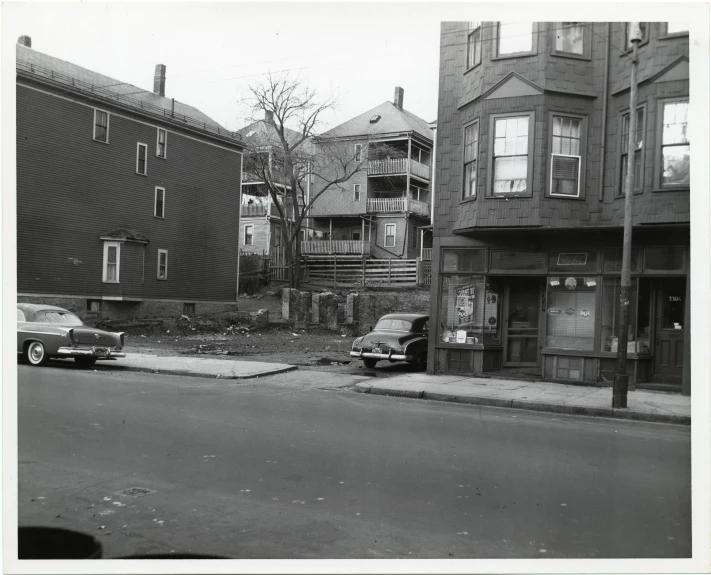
point(71, 190)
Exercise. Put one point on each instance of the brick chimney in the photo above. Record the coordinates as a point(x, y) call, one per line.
point(159, 80)
point(399, 96)
point(25, 41)
point(268, 116)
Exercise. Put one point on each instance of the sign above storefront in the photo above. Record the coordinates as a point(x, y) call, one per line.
point(573, 259)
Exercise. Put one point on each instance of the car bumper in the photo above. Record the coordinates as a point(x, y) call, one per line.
point(389, 356)
point(82, 352)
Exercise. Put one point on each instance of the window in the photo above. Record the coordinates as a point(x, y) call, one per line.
point(101, 126)
point(474, 44)
point(389, 235)
point(356, 192)
point(515, 38)
point(676, 28)
point(566, 157)
point(570, 313)
point(159, 208)
point(93, 305)
point(610, 316)
point(188, 309)
point(58, 318)
point(112, 262)
point(162, 143)
point(162, 264)
point(569, 37)
point(512, 151)
point(141, 151)
point(628, 33)
point(637, 177)
point(358, 152)
point(471, 152)
point(249, 235)
point(464, 311)
point(464, 260)
point(355, 235)
point(675, 145)
point(277, 236)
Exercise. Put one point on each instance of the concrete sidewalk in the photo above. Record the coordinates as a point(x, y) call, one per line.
point(537, 396)
point(196, 366)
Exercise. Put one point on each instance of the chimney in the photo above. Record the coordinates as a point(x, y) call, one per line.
point(268, 116)
point(159, 80)
point(25, 41)
point(399, 96)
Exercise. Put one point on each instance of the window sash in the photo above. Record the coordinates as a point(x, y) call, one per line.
point(356, 192)
point(564, 182)
point(515, 38)
point(675, 148)
point(141, 166)
point(358, 152)
point(161, 144)
point(101, 126)
point(159, 211)
point(162, 264)
point(390, 235)
point(677, 27)
point(474, 44)
point(569, 38)
point(248, 235)
point(112, 262)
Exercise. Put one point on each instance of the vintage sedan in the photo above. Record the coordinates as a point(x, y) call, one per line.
point(46, 331)
point(396, 337)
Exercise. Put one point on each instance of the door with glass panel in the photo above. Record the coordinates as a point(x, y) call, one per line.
point(522, 313)
point(669, 328)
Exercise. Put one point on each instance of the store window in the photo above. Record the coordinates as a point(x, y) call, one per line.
point(610, 316)
point(570, 313)
point(462, 309)
point(464, 260)
point(664, 259)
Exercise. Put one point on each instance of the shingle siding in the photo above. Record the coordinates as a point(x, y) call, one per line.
point(71, 190)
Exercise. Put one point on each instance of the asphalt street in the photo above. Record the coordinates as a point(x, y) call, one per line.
point(299, 466)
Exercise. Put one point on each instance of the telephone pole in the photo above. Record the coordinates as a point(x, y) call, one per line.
point(621, 382)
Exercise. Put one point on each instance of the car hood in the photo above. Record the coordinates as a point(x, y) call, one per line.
point(93, 336)
point(387, 339)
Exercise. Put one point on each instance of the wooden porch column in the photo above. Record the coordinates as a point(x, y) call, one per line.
point(330, 235)
point(362, 237)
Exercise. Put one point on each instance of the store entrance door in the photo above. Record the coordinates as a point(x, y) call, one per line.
point(521, 327)
point(669, 329)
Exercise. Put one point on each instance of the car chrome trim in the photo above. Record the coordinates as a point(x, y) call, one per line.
point(83, 352)
point(391, 356)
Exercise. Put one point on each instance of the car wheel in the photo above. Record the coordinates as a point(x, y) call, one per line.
point(36, 354)
point(420, 362)
point(369, 362)
point(85, 361)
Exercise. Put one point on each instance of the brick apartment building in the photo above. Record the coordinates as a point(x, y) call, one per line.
point(382, 210)
point(532, 134)
point(127, 200)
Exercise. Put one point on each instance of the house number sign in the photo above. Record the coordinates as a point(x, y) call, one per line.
point(569, 259)
point(674, 298)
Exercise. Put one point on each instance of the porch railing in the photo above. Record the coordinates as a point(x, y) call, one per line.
point(398, 166)
point(385, 205)
point(426, 254)
point(318, 247)
point(263, 209)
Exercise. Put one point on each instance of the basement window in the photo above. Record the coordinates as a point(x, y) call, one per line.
point(93, 305)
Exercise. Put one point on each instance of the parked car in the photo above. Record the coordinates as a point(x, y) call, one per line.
point(396, 337)
point(45, 331)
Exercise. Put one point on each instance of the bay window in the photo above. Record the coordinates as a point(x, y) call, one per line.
point(512, 144)
point(569, 37)
point(514, 38)
point(675, 148)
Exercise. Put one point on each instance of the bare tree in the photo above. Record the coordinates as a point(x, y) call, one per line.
point(297, 168)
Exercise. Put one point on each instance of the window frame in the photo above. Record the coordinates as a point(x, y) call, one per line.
point(470, 33)
point(155, 203)
point(393, 235)
point(140, 145)
point(581, 158)
point(491, 157)
point(622, 145)
point(251, 235)
point(358, 152)
point(658, 161)
point(664, 33)
point(587, 42)
point(472, 196)
point(165, 144)
point(108, 122)
point(534, 44)
point(158, 276)
point(356, 192)
point(105, 266)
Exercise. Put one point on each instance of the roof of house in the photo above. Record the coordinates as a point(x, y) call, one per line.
point(392, 120)
point(50, 63)
point(262, 133)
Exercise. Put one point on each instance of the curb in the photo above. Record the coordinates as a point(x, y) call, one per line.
point(609, 413)
point(204, 375)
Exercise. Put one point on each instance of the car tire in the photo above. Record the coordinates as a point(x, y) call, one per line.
point(420, 362)
point(85, 361)
point(369, 362)
point(36, 354)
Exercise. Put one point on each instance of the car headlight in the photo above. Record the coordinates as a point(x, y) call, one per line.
point(356, 343)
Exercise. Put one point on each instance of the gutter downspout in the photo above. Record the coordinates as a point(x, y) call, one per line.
point(601, 193)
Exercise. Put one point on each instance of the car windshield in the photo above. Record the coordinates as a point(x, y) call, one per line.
point(58, 317)
point(396, 324)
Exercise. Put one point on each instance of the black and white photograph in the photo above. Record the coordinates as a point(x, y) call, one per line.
point(348, 287)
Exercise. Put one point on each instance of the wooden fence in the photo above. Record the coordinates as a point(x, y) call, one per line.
point(352, 271)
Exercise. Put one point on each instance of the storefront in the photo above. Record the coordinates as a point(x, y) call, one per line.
point(555, 312)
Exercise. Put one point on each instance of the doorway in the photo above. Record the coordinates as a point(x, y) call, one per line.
point(669, 330)
point(522, 313)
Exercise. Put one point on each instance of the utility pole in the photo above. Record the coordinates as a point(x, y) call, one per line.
point(620, 385)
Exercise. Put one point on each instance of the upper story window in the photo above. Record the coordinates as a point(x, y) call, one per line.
point(628, 32)
point(358, 152)
point(471, 153)
point(112, 262)
point(249, 235)
point(356, 192)
point(512, 166)
point(162, 264)
point(566, 155)
point(515, 38)
point(676, 28)
point(159, 206)
point(675, 152)
point(474, 44)
point(141, 161)
point(162, 143)
point(569, 38)
point(101, 126)
point(637, 176)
